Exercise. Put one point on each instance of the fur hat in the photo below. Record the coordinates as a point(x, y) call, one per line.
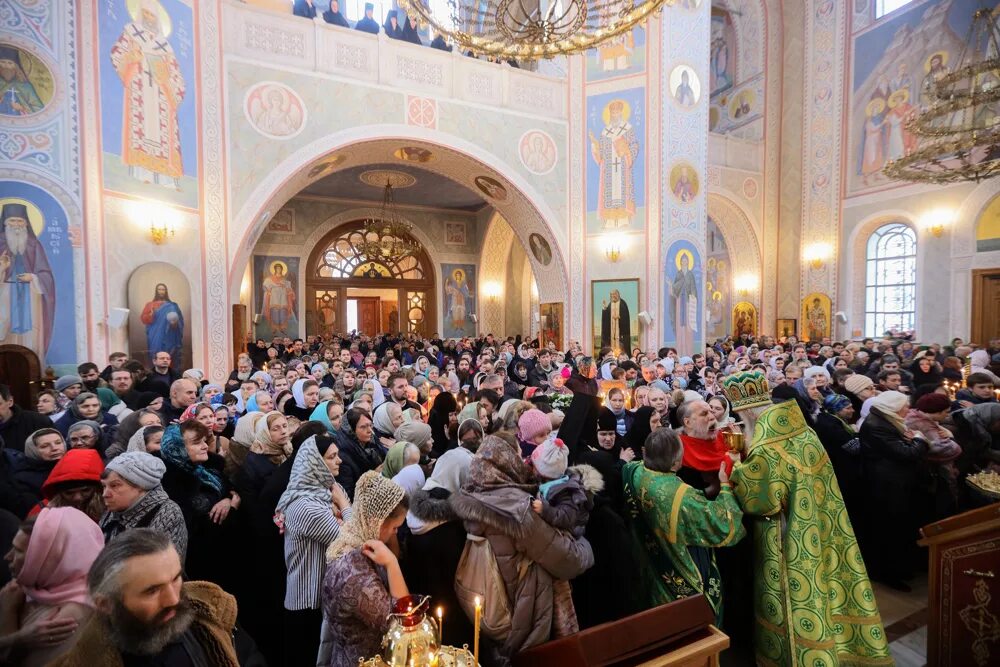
point(857, 383)
point(532, 423)
point(551, 458)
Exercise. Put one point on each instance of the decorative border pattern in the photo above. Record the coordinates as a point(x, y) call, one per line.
point(821, 142)
point(217, 319)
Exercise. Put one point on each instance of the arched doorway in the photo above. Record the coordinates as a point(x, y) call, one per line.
point(346, 290)
point(21, 371)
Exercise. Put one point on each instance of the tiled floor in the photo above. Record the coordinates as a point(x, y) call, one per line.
point(904, 616)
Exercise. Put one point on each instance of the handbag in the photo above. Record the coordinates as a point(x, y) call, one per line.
point(479, 575)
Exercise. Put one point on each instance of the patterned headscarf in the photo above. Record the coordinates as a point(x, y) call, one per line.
point(310, 477)
point(498, 464)
point(834, 403)
point(262, 443)
point(173, 451)
point(375, 498)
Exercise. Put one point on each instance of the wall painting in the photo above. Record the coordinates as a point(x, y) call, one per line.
point(683, 292)
point(616, 178)
point(275, 289)
point(816, 313)
point(148, 100)
point(37, 297)
point(615, 314)
point(459, 299)
point(159, 320)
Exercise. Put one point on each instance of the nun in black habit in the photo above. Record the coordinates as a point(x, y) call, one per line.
point(410, 29)
point(367, 24)
point(334, 17)
point(391, 26)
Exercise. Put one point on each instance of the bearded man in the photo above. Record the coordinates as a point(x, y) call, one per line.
point(813, 601)
point(182, 623)
point(27, 286)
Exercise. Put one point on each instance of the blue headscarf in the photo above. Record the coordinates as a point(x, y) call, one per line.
point(834, 403)
point(320, 415)
point(173, 451)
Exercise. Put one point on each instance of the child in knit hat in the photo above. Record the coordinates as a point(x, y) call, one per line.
point(565, 499)
point(533, 428)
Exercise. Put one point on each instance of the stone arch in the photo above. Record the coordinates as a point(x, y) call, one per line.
point(857, 244)
point(493, 269)
point(454, 158)
point(738, 231)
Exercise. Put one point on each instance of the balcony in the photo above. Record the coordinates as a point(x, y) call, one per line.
point(270, 37)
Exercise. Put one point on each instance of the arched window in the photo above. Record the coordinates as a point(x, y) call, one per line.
point(890, 279)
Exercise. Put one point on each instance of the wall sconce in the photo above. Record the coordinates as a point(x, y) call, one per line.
point(160, 232)
point(492, 291)
point(935, 221)
point(816, 254)
point(612, 249)
point(745, 283)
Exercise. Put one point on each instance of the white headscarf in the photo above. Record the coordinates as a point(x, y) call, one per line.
point(373, 387)
point(298, 393)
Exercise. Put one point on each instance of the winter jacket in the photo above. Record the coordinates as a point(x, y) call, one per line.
point(567, 501)
point(27, 475)
point(155, 510)
point(21, 424)
point(505, 518)
point(76, 465)
point(355, 460)
point(212, 630)
point(433, 550)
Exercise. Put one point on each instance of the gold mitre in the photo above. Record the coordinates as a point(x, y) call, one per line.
point(748, 389)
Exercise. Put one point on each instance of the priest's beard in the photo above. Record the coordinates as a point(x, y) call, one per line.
point(131, 635)
point(17, 240)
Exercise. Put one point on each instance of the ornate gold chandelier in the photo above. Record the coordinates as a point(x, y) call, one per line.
point(386, 235)
point(531, 29)
point(958, 134)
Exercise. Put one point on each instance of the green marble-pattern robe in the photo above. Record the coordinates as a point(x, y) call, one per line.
point(668, 516)
point(813, 602)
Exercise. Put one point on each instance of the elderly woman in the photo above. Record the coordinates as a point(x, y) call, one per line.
point(195, 481)
point(363, 578)
point(42, 609)
point(28, 471)
point(311, 511)
point(86, 406)
point(495, 503)
point(306, 395)
point(842, 444)
point(86, 434)
point(674, 527)
point(239, 446)
point(896, 481)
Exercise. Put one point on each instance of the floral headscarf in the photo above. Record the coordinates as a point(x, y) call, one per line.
point(173, 451)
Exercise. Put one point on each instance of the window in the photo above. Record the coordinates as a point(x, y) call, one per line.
point(883, 7)
point(890, 279)
point(343, 258)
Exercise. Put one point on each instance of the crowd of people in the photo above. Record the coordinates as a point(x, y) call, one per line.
point(397, 25)
point(152, 516)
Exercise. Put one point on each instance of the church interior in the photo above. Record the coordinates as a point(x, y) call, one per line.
point(684, 174)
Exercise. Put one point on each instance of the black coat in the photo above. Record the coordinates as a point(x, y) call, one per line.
point(21, 480)
point(210, 546)
point(304, 9)
point(896, 485)
point(432, 559)
point(355, 460)
point(598, 593)
point(21, 424)
point(844, 449)
point(159, 383)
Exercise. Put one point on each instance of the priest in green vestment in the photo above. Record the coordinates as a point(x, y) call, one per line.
point(813, 602)
point(674, 526)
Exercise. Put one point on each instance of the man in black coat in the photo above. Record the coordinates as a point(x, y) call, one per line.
point(16, 423)
point(368, 24)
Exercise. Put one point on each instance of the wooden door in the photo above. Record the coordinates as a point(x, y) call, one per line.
point(368, 315)
point(242, 334)
point(20, 370)
point(985, 305)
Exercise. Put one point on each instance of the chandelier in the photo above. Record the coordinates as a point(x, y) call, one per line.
point(531, 29)
point(958, 131)
point(386, 235)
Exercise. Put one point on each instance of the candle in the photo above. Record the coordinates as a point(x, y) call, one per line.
point(475, 636)
point(440, 615)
